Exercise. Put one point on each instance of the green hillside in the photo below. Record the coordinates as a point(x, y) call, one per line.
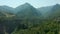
point(26, 19)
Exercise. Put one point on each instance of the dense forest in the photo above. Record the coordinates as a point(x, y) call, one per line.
point(26, 19)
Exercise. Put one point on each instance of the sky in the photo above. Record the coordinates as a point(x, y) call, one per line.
point(35, 3)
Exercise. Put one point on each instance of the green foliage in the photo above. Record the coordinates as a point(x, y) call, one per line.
point(47, 27)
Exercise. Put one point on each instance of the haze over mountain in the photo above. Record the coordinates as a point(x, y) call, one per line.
point(50, 11)
point(55, 12)
point(27, 10)
point(45, 10)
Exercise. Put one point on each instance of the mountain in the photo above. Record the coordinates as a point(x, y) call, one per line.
point(27, 11)
point(55, 12)
point(27, 19)
point(45, 10)
point(50, 11)
point(6, 9)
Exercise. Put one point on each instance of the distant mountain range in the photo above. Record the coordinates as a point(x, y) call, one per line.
point(50, 11)
point(55, 12)
point(24, 11)
point(27, 11)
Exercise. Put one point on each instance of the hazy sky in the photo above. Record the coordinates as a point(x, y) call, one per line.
point(35, 3)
